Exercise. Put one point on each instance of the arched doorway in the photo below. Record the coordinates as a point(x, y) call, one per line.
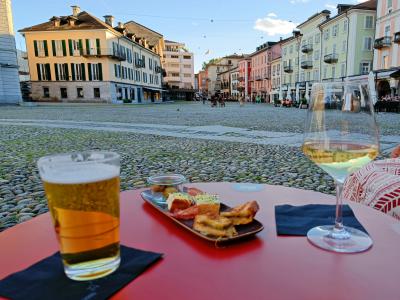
point(383, 88)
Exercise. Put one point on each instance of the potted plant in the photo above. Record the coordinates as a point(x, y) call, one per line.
point(304, 103)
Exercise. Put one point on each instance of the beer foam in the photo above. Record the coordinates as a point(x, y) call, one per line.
point(85, 173)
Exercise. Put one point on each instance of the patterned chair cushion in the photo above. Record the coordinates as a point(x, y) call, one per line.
point(376, 185)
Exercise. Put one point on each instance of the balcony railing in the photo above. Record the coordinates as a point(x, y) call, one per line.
point(397, 37)
point(288, 69)
point(258, 77)
point(104, 52)
point(266, 76)
point(331, 58)
point(306, 64)
point(383, 42)
point(306, 48)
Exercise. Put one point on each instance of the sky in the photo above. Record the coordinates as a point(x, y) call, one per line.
point(209, 28)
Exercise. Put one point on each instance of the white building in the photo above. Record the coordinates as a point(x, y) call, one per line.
point(179, 66)
point(10, 92)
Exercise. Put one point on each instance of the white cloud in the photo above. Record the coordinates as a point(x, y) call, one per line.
point(274, 26)
point(330, 6)
point(273, 15)
point(298, 1)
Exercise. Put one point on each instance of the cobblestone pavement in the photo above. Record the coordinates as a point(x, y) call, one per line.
point(208, 159)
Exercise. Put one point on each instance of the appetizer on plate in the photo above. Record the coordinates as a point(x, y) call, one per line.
point(178, 201)
point(214, 225)
point(242, 214)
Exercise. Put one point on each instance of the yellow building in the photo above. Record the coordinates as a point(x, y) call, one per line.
point(80, 58)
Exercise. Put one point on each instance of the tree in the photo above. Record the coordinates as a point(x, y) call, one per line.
point(211, 61)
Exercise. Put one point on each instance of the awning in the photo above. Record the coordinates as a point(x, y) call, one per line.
point(395, 74)
point(152, 89)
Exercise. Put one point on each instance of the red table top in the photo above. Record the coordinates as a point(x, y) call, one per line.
point(266, 267)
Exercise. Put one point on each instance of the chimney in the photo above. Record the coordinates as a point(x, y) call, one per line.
point(56, 21)
point(343, 7)
point(109, 20)
point(121, 25)
point(75, 10)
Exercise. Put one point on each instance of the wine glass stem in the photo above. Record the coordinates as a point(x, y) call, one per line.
point(339, 206)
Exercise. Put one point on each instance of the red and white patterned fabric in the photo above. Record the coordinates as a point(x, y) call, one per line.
point(376, 185)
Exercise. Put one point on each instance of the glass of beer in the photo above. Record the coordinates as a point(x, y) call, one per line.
point(82, 191)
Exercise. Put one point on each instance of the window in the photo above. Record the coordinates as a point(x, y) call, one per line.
point(174, 56)
point(96, 92)
point(343, 70)
point(95, 72)
point(187, 75)
point(61, 72)
point(333, 72)
point(187, 66)
point(43, 72)
point(387, 30)
point(78, 72)
point(291, 49)
point(150, 64)
point(79, 92)
point(345, 25)
point(344, 46)
point(389, 4)
point(325, 72)
point(316, 55)
point(284, 51)
point(75, 47)
point(308, 76)
point(59, 48)
point(317, 38)
point(326, 34)
point(365, 67)
point(367, 44)
point(145, 77)
point(385, 62)
point(316, 75)
point(335, 30)
point(64, 93)
point(46, 92)
point(41, 49)
point(334, 48)
point(132, 94)
point(369, 22)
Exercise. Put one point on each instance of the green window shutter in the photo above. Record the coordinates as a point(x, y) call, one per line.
point(48, 71)
point(100, 72)
point(46, 48)
point(39, 74)
point(36, 48)
point(64, 48)
point(80, 47)
point(53, 45)
point(66, 71)
point(83, 71)
point(56, 69)
point(73, 72)
point(87, 46)
point(71, 50)
point(115, 71)
point(98, 46)
point(90, 71)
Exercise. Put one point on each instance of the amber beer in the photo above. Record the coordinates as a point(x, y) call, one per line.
point(83, 198)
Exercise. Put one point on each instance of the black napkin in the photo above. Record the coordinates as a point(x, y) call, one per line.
point(298, 220)
point(47, 280)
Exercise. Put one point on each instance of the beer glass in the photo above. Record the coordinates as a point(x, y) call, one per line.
point(82, 191)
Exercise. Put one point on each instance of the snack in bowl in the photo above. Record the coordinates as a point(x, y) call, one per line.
point(166, 184)
point(214, 225)
point(178, 201)
point(242, 214)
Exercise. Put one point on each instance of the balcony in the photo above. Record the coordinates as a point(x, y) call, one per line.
point(258, 77)
point(266, 76)
point(139, 63)
point(307, 48)
point(397, 37)
point(307, 64)
point(382, 42)
point(288, 69)
point(104, 52)
point(331, 58)
point(158, 69)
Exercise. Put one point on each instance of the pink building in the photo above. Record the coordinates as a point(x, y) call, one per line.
point(244, 86)
point(261, 70)
point(387, 48)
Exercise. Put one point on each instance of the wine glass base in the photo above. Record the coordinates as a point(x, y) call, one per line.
point(350, 241)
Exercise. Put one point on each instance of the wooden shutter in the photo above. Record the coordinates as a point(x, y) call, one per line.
point(98, 45)
point(71, 50)
point(100, 72)
point(66, 71)
point(46, 48)
point(36, 48)
point(87, 46)
point(64, 46)
point(48, 71)
point(53, 45)
point(56, 70)
point(83, 71)
point(90, 71)
point(80, 47)
point(115, 71)
point(73, 71)
point(39, 73)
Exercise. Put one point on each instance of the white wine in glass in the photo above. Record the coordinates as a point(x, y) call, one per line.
point(341, 136)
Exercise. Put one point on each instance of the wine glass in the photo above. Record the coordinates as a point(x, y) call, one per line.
point(341, 136)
